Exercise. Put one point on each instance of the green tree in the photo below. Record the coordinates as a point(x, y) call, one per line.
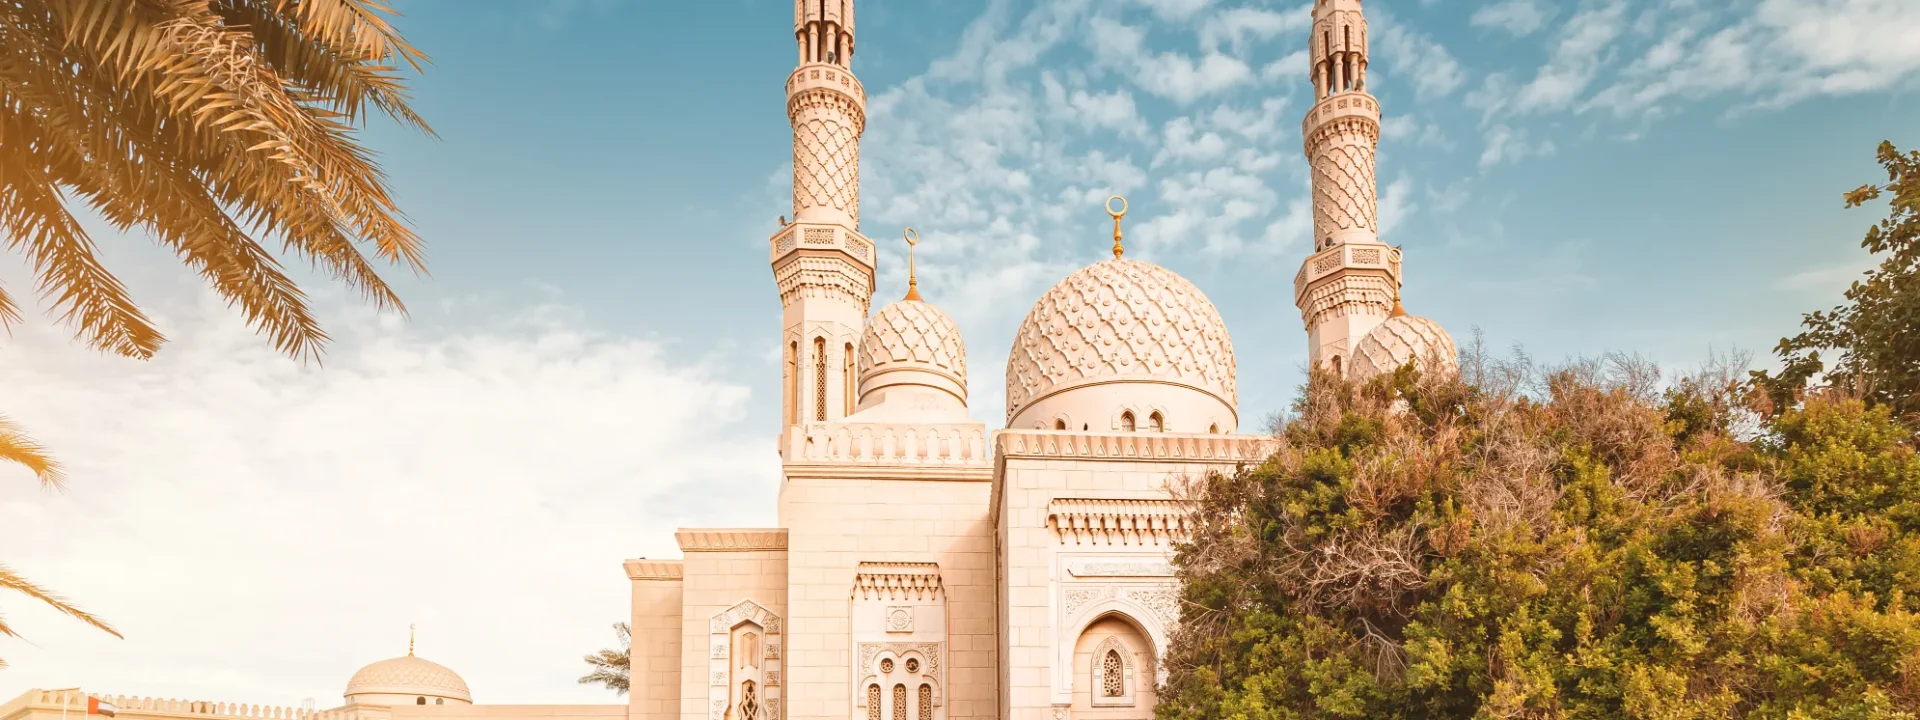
point(1576, 544)
point(612, 666)
point(1874, 340)
point(209, 125)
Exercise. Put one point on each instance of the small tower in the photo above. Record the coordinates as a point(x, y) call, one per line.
point(822, 265)
point(1346, 286)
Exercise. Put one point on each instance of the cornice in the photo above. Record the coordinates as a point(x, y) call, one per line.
point(731, 539)
point(644, 569)
point(1101, 521)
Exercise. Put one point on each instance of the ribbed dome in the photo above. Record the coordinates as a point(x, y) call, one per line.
point(911, 342)
point(1402, 339)
point(408, 675)
point(1120, 320)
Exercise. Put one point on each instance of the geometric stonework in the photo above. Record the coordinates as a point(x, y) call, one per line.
point(1116, 319)
point(745, 664)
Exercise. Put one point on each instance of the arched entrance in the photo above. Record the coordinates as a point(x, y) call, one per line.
point(1113, 670)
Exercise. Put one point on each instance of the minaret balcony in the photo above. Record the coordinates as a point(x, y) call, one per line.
point(805, 238)
point(1371, 258)
point(1353, 104)
point(828, 76)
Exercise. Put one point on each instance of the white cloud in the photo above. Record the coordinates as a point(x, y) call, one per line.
point(1416, 59)
point(1576, 60)
point(1185, 144)
point(1508, 145)
point(1234, 28)
point(1519, 18)
point(1183, 79)
point(259, 530)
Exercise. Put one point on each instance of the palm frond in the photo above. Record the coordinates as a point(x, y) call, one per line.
point(16, 447)
point(10, 580)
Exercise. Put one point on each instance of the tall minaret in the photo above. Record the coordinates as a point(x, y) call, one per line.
point(821, 263)
point(1348, 284)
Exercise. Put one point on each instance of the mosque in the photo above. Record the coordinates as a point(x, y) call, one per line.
point(925, 567)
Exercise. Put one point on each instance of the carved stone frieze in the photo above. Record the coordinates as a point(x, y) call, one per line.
point(1095, 521)
point(897, 581)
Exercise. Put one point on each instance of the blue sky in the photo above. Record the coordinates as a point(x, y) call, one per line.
point(593, 361)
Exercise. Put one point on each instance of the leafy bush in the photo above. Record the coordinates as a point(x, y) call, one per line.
point(1576, 543)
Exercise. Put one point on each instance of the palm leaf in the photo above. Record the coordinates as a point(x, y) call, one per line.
point(16, 447)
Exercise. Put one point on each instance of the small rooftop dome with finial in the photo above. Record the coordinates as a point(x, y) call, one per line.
point(407, 680)
point(911, 358)
point(1400, 340)
point(1122, 345)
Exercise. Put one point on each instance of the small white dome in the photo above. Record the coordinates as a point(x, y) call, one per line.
point(399, 681)
point(911, 342)
point(1400, 340)
point(1122, 335)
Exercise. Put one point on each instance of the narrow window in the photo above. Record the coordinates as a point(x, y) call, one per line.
point(1126, 421)
point(873, 702)
point(793, 378)
point(899, 702)
point(439, 701)
point(1113, 683)
point(1156, 423)
point(1336, 365)
point(1213, 429)
point(419, 701)
point(1059, 424)
point(849, 378)
point(926, 702)
point(820, 379)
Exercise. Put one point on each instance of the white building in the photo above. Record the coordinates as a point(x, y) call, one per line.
point(926, 568)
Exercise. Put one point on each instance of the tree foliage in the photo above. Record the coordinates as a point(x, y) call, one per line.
point(1873, 340)
point(612, 666)
point(210, 125)
point(1577, 544)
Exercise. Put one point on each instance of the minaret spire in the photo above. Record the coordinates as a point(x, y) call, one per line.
point(822, 265)
point(1350, 282)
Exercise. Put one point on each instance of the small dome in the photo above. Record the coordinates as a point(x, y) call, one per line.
point(1400, 340)
point(384, 682)
point(1122, 321)
point(911, 342)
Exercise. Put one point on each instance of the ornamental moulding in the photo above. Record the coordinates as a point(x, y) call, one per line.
point(897, 581)
point(1090, 521)
point(644, 569)
point(1133, 446)
point(731, 540)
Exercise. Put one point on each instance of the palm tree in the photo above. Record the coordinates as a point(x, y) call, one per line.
point(16, 447)
point(611, 667)
point(209, 125)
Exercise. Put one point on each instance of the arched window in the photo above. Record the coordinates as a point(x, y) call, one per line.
point(439, 701)
point(899, 702)
point(849, 378)
point(1126, 421)
point(419, 701)
point(926, 702)
point(820, 379)
point(1113, 680)
point(793, 379)
point(1059, 424)
point(1156, 423)
point(1336, 365)
point(873, 702)
point(1213, 429)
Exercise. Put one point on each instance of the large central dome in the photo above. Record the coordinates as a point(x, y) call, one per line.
point(1122, 322)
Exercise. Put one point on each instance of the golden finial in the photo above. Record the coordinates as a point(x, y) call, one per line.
point(1117, 214)
point(1398, 311)
point(913, 283)
point(409, 640)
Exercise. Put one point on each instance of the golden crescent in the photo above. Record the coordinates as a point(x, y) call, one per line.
point(1123, 206)
point(913, 238)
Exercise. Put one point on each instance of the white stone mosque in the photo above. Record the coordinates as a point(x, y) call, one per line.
point(927, 568)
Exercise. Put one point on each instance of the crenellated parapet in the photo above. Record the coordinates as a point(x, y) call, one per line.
point(75, 703)
point(922, 446)
point(1143, 447)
